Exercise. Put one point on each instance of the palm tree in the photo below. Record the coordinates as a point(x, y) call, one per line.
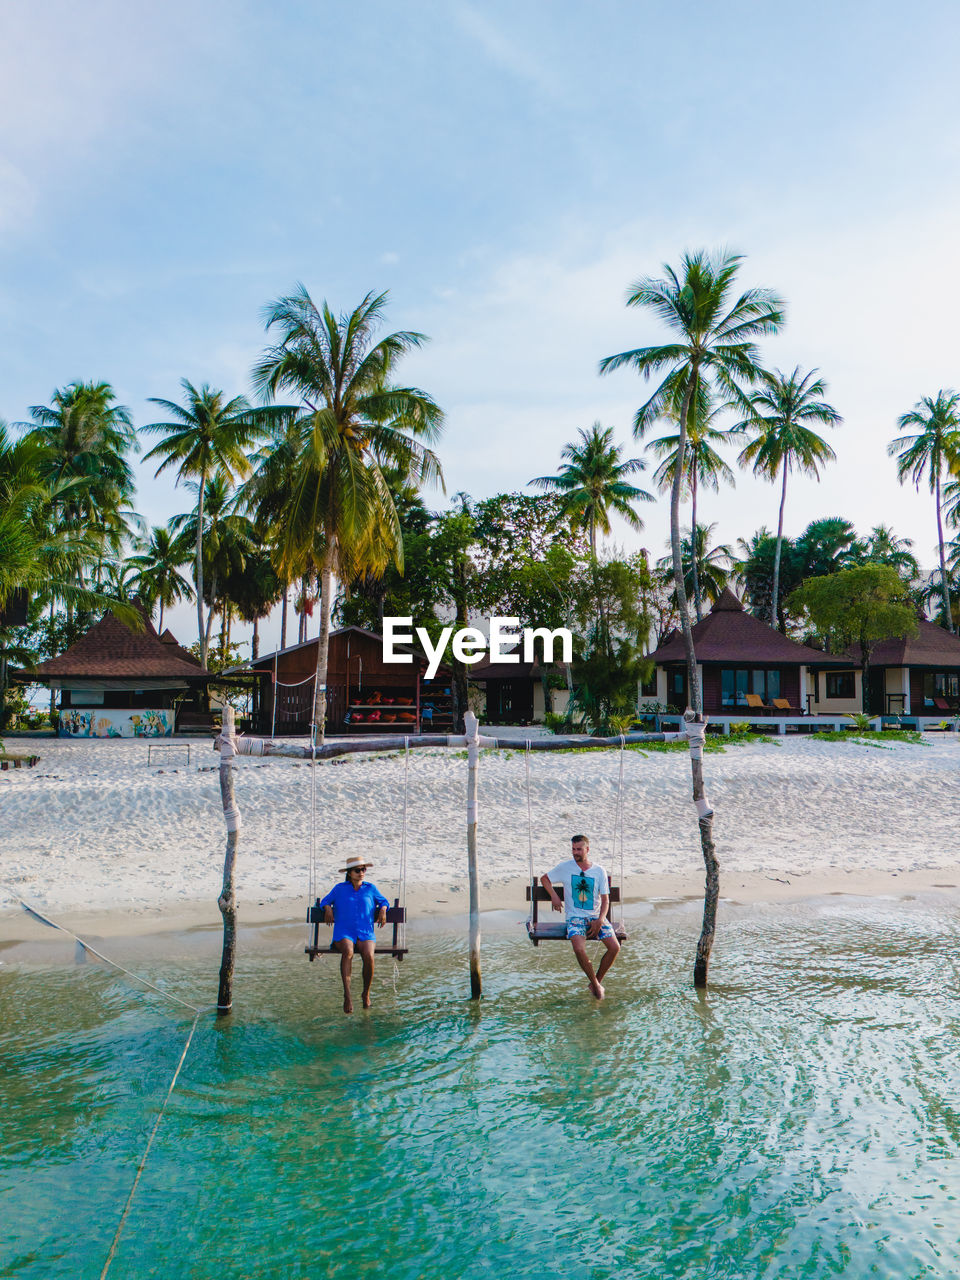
point(86, 437)
point(157, 564)
point(594, 482)
point(353, 420)
point(713, 330)
point(779, 413)
point(882, 546)
point(207, 434)
point(714, 565)
point(227, 539)
point(703, 466)
point(934, 448)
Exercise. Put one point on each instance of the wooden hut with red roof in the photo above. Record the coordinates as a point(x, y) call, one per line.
point(915, 675)
point(742, 660)
point(116, 682)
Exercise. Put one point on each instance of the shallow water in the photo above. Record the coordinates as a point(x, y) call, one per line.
point(802, 1120)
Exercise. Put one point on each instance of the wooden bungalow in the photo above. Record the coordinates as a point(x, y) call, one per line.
point(747, 667)
point(115, 682)
point(916, 675)
point(365, 694)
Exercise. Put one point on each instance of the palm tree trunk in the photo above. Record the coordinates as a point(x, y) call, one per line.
point(212, 611)
point(160, 623)
point(283, 616)
point(694, 568)
point(711, 892)
point(693, 682)
point(255, 642)
point(945, 581)
point(775, 596)
point(202, 632)
point(323, 644)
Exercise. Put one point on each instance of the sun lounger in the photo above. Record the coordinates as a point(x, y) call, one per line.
point(942, 704)
point(784, 704)
point(756, 703)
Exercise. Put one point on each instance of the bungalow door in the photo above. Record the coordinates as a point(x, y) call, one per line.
point(677, 688)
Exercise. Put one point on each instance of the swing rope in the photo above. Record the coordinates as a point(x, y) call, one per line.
point(618, 820)
point(313, 821)
point(529, 819)
point(402, 877)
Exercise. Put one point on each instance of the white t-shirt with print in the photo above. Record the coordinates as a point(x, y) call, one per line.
point(582, 890)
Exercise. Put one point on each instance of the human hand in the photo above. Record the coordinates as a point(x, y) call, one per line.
point(593, 928)
point(328, 915)
point(381, 917)
point(555, 902)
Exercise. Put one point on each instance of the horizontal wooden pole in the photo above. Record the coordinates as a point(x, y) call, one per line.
point(269, 747)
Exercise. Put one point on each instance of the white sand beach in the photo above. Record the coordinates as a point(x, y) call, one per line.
point(94, 833)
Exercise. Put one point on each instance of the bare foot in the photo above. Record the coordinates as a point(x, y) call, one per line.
point(597, 990)
point(347, 1005)
point(366, 1002)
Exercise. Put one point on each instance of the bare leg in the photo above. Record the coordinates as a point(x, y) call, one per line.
point(366, 950)
point(613, 950)
point(583, 960)
point(345, 947)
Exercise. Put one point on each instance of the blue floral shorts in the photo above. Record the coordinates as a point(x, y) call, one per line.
point(577, 928)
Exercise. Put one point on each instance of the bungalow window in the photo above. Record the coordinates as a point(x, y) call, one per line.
point(940, 684)
point(841, 684)
point(737, 682)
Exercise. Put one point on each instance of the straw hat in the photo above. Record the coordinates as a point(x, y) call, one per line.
point(354, 862)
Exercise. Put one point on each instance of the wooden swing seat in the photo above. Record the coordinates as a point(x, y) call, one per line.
point(396, 915)
point(556, 930)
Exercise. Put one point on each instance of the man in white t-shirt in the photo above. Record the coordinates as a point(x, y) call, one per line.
point(586, 896)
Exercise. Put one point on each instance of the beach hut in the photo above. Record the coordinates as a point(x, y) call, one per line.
point(747, 666)
point(917, 675)
point(115, 682)
point(365, 694)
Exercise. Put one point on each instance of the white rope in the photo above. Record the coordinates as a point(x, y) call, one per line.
point(529, 818)
point(273, 726)
point(53, 924)
point(295, 684)
point(195, 1009)
point(619, 822)
point(143, 1158)
point(313, 823)
point(402, 878)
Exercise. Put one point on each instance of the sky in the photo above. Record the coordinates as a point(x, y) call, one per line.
point(505, 171)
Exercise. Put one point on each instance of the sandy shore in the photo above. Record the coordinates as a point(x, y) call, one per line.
point(106, 843)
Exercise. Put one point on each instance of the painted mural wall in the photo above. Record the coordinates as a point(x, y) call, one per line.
point(94, 722)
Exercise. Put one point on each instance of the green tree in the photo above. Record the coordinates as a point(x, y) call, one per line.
point(882, 546)
point(594, 482)
point(779, 414)
point(858, 606)
point(930, 448)
point(713, 328)
point(204, 435)
point(352, 421)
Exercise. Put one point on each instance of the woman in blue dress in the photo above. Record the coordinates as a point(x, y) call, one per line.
point(353, 907)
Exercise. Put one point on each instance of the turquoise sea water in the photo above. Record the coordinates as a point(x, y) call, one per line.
point(801, 1120)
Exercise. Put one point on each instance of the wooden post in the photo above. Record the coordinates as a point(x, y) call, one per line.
point(473, 761)
point(227, 902)
point(696, 735)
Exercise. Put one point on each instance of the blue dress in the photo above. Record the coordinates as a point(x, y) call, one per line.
point(354, 910)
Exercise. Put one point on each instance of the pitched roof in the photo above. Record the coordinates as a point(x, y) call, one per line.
point(110, 648)
point(930, 646)
point(729, 634)
point(169, 639)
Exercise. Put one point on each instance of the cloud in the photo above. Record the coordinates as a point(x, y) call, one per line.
point(503, 52)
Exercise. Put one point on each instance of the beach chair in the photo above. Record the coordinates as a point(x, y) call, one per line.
point(784, 704)
point(556, 930)
point(396, 915)
point(942, 704)
point(756, 703)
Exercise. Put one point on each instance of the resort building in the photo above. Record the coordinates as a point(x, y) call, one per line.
point(365, 694)
point(916, 675)
point(747, 667)
point(116, 682)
